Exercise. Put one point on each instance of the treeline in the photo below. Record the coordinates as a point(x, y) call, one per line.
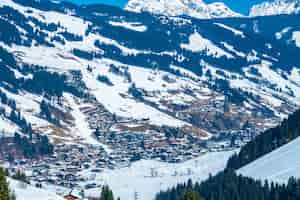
point(41, 146)
point(268, 141)
point(41, 82)
point(227, 185)
point(5, 192)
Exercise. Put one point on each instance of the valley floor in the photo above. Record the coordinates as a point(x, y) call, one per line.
point(147, 177)
point(27, 192)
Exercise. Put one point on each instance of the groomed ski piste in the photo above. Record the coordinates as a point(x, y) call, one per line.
point(277, 166)
point(28, 192)
point(147, 177)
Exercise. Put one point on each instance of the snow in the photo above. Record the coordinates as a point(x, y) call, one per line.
point(193, 8)
point(29, 106)
point(276, 79)
point(252, 56)
point(130, 25)
point(112, 99)
point(232, 49)
point(137, 178)
point(278, 165)
point(197, 43)
point(280, 34)
point(6, 127)
point(81, 127)
point(275, 7)
point(55, 58)
point(184, 71)
point(233, 30)
point(296, 38)
point(295, 76)
point(26, 192)
point(125, 50)
point(72, 24)
point(60, 59)
point(87, 44)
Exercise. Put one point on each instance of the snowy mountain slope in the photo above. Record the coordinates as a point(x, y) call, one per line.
point(296, 38)
point(276, 7)
point(193, 8)
point(116, 66)
point(278, 166)
point(26, 192)
point(167, 175)
point(72, 72)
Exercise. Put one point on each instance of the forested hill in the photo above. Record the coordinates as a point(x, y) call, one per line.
point(228, 185)
point(268, 141)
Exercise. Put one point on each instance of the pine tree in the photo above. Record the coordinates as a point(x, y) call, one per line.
point(4, 190)
point(191, 195)
point(12, 196)
point(20, 176)
point(106, 193)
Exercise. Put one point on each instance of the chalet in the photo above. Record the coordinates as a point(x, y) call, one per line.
point(71, 197)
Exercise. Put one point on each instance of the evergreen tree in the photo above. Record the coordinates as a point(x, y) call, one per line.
point(106, 193)
point(266, 142)
point(4, 190)
point(191, 195)
point(227, 185)
point(20, 176)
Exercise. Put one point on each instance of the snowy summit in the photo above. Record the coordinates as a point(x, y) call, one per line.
point(276, 7)
point(193, 8)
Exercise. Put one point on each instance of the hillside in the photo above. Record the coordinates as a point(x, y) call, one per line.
point(229, 185)
point(94, 89)
point(119, 62)
point(277, 166)
point(272, 171)
point(26, 192)
point(193, 8)
point(276, 7)
point(267, 142)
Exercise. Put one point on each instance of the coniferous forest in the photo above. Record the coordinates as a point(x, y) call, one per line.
point(268, 141)
point(228, 185)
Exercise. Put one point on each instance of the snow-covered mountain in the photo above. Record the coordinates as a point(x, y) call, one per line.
point(141, 86)
point(276, 7)
point(193, 8)
point(123, 71)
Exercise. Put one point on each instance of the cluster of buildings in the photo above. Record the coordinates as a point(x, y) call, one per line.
point(68, 166)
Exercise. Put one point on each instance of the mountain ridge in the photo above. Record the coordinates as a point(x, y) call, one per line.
point(194, 8)
point(199, 9)
point(276, 7)
point(124, 90)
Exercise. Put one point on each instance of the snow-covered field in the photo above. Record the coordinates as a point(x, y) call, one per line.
point(198, 43)
point(131, 26)
point(138, 178)
point(7, 127)
point(27, 192)
point(296, 38)
point(235, 31)
point(278, 165)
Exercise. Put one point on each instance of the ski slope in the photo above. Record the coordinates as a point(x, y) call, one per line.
point(27, 192)
point(276, 166)
point(148, 177)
